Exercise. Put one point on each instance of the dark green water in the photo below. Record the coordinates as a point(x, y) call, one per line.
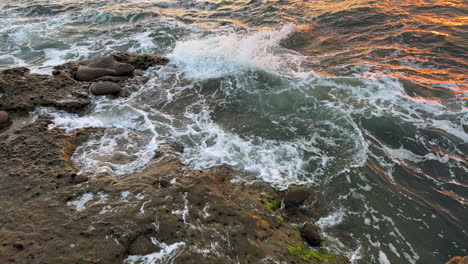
point(363, 101)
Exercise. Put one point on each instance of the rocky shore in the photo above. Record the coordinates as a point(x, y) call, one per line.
point(167, 213)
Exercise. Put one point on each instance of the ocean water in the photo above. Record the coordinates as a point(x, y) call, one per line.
point(365, 102)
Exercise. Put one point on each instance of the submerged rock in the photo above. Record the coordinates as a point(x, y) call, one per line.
point(310, 234)
point(105, 88)
point(4, 119)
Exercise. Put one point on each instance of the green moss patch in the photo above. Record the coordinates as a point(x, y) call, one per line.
point(293, 187)
point(308, 255)
point(270, 204)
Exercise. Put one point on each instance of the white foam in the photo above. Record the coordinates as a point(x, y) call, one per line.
point(185, 211)
point(331, 220)
point(80, 204)
point(228, 54)
point(393, 249)
point(124, 196)
point(383, 258)
point(166, 255)
point(279, 163)
point(105, 209)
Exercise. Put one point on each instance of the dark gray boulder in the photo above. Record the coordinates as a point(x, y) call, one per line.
point(310, 234)
point(105, 88)
point(296, 197)
point(102, 66)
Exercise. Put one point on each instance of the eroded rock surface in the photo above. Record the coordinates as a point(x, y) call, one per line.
point(118, 65)
point(49, 218)
point(21, 91)
point(50, 214)
point(68, 88)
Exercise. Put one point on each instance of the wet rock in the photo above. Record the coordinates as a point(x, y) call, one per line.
point(44, 119)
point(79, 179)
point(162, 183)
point(142, 246)
point(140, 61)
point(100, 67)
point(105, 88)
point(85, 73)
point(310, 234)
point(24, 92)
point(118, 214)
point(4, 119)
point(458, 260)
point(19, 71)
point(296, 197)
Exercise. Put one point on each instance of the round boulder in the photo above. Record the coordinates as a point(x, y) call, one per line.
point(4, 119)
point(85, 73)
point(310, 234)
point(296, 197)
point(104, 88)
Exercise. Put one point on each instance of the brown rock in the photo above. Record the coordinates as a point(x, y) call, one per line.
point(79, 179)
point(24, 92)
point(20, 71)
point(296, 197)
point(142, 246)
point(100, 67)
point(104, 88)
point(85, 73)
point(110, 63)
point(140, 61)
point(36, 210)
point(162, 183)
point(310, 234)
point(4, 119)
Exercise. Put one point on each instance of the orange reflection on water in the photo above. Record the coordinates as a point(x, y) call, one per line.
point(456, 21)
point(398, 189)
point(428, 76)
point(433, 100)
point(452, 195)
